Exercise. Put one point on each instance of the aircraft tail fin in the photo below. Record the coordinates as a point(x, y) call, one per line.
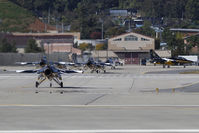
point(153, 54)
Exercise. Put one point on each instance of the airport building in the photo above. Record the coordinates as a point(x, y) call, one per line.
point(52, 42)
point(131, 47)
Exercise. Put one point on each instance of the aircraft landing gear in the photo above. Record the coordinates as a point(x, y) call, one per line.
point(61, 84)
point(50, 84)
point(36, 84)
point(113, 67)
point(163, 65)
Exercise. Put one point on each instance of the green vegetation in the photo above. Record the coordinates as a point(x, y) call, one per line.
point(146, 30)
point(192, 41)
point(88, 17)
point(100, 47)
point(32, 47)
point(85, 46)
point(190, 72)
point(7, 47)
point(14, 18)
point(175, 42)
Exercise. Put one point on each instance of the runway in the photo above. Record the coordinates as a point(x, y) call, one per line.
point(123, 100)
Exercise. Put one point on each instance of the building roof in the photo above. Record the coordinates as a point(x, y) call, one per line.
point(118, 12)
point(57, 41)
point(39, 26)
point(184, 30)
point(191, 35)
point(43, 35)
point(127, 51)
point(21, 39)
point(130, 33)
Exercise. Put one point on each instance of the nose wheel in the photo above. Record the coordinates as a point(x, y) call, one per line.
point(61, 84)
point(36, 84)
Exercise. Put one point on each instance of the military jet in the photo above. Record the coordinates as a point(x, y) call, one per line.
point(110, 62)
point(47, 71)
point(94, 66)
point(156, 59)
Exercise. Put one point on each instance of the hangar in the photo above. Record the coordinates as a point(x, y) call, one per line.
point(131, 47)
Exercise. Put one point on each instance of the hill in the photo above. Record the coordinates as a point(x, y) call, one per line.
point(14, 18)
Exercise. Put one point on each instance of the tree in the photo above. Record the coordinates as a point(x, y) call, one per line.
point(100, 46)
point(32, 47)
point(114, 31)
point(175, 42)
point(85, 46)
point(146, 30)
point(192, 9)
point(192, 42)
point(95, 35)
point(6, 47)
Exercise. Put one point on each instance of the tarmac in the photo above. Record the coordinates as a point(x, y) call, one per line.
point(126, 99)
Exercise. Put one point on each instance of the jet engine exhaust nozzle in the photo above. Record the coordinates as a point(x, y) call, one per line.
point(48, 72)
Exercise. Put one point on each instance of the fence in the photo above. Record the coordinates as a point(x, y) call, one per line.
point(11, 58)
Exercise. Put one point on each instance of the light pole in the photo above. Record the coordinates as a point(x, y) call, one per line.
point(102, 21)
point(48, 43)
point(107, 48)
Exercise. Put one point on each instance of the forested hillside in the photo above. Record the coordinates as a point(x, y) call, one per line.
point(149, 8)
point(14, 18)
point(87, 16)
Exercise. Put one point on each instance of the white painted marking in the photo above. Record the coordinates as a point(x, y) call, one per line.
point(92, 106)
point(107, 131)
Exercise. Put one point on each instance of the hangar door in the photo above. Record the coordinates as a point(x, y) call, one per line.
point(131, 58)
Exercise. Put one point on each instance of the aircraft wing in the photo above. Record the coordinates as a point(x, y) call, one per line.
point(108, 64)
point(26, 71)
point(65, 63)
point(27, 63)
point(70, 71)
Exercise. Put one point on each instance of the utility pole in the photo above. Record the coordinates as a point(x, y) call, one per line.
point(62, 27)
point(49, 15)
point(107, 48)
point(102, 29)
point(102, 36)
point(48, 43)
point(45, 28)
point(56, 25)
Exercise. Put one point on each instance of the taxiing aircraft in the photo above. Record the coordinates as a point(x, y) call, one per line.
point(47, 71)
point(156, 59)
point(94, 66)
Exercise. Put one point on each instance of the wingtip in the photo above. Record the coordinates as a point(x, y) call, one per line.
point(19, 71)
point(79, 71)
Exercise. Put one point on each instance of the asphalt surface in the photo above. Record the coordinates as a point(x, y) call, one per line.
point(121, 100)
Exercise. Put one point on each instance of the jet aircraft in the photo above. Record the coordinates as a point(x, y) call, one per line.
point(94, 66)
point(156, 59)
point(47, 70)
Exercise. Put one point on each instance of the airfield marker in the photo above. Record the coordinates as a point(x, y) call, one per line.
point(157, 90)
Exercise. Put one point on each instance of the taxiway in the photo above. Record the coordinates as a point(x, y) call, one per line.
point(122, 99)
